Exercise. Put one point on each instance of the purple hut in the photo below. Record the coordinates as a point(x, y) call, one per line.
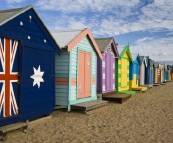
point(106, 67)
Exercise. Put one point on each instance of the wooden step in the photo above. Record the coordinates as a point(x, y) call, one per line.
point(11, 127)
point(86, 106)
point(121, 98)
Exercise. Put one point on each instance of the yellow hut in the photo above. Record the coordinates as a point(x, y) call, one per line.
point(123, 68)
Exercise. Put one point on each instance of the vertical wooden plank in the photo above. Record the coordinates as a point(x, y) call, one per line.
point(87, 74)
point(81, 70)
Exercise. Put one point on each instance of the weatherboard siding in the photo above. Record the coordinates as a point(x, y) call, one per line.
point(134, 73)
point(62, 78)
point(142, 73)
point(123, 73)
point(34, 102)
point(84, 45)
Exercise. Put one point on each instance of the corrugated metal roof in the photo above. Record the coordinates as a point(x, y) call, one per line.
point(142, 58)
point(151, 63)
point(103, 43)
point(156, 64)
point(63, 37)
point(6, 15)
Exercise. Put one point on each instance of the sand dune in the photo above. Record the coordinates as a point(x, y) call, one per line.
point(146, 117)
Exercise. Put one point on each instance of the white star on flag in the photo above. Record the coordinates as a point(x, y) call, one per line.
point(37, 76)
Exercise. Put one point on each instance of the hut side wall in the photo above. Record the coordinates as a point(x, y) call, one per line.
point(100, 65)
point(62, 78)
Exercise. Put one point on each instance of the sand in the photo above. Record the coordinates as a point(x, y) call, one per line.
point(146, 117)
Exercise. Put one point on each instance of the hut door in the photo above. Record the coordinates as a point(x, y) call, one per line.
point(159, 76)
point(109, 73)
point(84, 74)
point(9, 71)
point(151, 76)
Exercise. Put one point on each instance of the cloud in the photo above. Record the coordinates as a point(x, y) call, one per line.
point(110, 18)
point(159, 49)
point(170, 33)
point(14, 1)
point(76, 6)
point(107, 18)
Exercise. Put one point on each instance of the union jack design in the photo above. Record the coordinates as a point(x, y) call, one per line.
point(8, 105)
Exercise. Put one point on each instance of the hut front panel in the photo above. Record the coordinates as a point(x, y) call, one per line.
point(151, 76)
point(134, 74)
point(86, 46)
point(159, 76)
point(62, 78)
point(147, 74)
point(108, 73)
point(162, 78)
point(123, 73)
point(156, 75)
point(142, 73)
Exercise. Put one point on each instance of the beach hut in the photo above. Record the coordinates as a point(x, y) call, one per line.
point(134, 73)
point(147, 73)
point(151, 72)
point(165, 73)
point(123, 68)
point(156, 74)
point(162, 71)
point(76, 68)
point(142, 70)
point(27, 63)
point(169, 72)
point(147, 70)
point(106, 66)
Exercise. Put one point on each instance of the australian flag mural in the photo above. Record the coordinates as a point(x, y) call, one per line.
point(8, 77)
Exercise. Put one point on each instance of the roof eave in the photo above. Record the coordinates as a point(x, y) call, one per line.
point(79, 37)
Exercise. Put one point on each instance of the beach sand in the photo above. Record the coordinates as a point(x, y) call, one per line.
point(146, 117)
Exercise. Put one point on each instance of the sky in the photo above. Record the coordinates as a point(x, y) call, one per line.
point(147, 25)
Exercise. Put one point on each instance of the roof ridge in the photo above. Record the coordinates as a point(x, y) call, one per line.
point(14, 9)
point(68, 30)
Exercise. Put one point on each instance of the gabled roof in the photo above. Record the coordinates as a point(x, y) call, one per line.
point(143, 59)
point(165, 67)
point(7, 15)
point(136, 56)
point(147, 60)
point(69, 38)
point(156, 64)
point(151, 63)
point(123, 50)
point(103, 44)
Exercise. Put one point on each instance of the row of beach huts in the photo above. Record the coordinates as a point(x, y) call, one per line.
point(42, 70)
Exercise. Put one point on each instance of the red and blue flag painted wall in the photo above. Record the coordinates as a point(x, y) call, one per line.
point(27, 66)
